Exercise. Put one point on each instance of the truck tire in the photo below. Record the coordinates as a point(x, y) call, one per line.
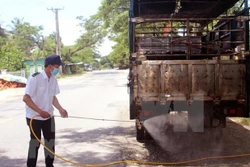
point(142, 135)
point(132, 109)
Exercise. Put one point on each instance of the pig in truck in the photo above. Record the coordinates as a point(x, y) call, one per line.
point(188, 59)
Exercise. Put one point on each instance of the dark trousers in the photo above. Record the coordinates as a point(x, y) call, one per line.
point(48, 129)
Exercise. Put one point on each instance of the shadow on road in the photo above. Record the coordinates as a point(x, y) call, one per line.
point(13, 162)
point(235, 141)
point(96, 146)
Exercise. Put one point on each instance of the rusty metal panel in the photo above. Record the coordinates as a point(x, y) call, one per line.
point(231, 81)
point(148, 80)
point(190, 79)
point(203, 80)
point(176, 77)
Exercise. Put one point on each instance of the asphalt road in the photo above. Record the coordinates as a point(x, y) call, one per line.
point(103, 94)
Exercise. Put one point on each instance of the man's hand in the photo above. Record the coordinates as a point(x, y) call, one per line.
point(63, 113)
point(44, 114)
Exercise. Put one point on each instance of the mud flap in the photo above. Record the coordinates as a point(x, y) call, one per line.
point(132, 108)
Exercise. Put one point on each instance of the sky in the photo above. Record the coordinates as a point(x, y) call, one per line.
point(36, 13)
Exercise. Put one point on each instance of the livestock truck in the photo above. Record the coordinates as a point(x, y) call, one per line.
point(191, 57)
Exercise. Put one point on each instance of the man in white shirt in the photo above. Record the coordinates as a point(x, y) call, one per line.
point(40, 97)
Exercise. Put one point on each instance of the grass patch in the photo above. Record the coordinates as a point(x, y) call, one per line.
point(243, 121)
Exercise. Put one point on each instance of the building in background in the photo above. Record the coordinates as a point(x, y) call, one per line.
point(32, 66)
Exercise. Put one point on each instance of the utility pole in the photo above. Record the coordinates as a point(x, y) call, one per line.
point(58, 38)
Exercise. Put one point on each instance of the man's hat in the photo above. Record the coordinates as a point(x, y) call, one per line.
point(53, 60)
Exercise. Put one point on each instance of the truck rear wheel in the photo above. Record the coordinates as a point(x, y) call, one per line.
point(142, 135)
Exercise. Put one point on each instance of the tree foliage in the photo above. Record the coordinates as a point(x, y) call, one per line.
point(85, 48)
point(10, 58)
point(25, 41)
point(105, 62)
point(114, 14)
point(26, 37)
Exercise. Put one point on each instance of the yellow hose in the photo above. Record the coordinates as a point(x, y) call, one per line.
point(132, 161)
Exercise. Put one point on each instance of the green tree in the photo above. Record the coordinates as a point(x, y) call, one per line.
point(114, 15)
point(47, 47)
point(87, 55)
point(2, 32)
point(239, 6)
point(10, 58)
point(91, 37)
point(105, 62)
point(26, 38)
point(3, 36)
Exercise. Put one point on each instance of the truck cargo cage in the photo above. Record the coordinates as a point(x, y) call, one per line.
point(189, 39)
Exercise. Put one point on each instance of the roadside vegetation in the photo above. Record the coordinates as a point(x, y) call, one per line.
point(23, 41)
point(242, 121)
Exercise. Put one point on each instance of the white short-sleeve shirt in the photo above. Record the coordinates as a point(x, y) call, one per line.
point(41, 89)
